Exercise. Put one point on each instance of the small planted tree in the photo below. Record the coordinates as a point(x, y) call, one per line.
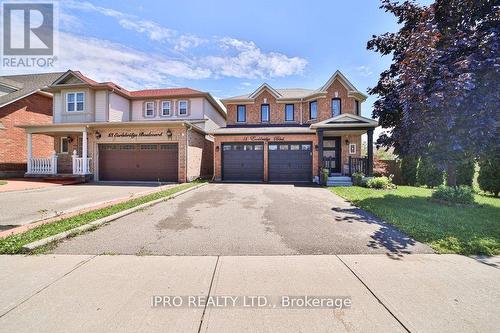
point(465, 172)
point(428, 173)
point(489, 175)
point(409, 170)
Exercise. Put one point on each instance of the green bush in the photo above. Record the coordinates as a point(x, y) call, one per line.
point(465, 172)
point(409, 170)
point(379, 183)
point(454, 194)
point(428, 173)
point(357, 179)
point(489, 175)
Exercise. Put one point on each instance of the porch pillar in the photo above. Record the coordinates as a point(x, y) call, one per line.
point(320, 155)
point(370, 153)
point(29, 153)
point(84, 152)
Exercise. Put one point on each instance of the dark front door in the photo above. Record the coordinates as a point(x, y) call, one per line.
point(331, 154)
point(243, 161)
point(290, 161)
point(139, 162)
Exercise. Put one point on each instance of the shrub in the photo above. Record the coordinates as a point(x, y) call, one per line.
point(489, 175)
point(409, 170)
point(465, 172)
point(428, 173)
point(379, 183)
point(357, 179)
point(454, 194)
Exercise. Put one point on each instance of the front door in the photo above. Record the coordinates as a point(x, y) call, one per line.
point(331, 154)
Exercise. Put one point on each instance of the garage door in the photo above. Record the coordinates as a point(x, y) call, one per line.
point(243, 162)
point(139, 162)
point(290, 161)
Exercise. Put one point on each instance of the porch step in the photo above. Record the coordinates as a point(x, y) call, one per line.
point(339, 181)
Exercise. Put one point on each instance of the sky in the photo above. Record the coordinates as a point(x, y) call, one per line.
point(225, 47)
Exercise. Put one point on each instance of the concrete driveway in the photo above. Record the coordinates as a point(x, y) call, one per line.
point(247, 219)
point(23, 207)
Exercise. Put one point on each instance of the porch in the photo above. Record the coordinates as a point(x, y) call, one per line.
point(69, 159)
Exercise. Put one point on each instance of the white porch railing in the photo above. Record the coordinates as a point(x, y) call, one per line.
point(81, 165)
point(42, 166)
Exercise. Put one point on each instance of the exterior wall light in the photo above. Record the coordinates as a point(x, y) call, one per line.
point(316, 147)
point(97, 135)
point(169, 133)
point(347, 142)
point(217, 148)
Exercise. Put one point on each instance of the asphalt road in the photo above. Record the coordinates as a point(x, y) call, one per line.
point(247, 219)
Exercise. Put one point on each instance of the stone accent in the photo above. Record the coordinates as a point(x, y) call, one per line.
point(33, 109)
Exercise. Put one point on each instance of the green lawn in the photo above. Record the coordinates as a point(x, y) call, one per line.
point(13, 244)
point(463, 230)
point(2, 182)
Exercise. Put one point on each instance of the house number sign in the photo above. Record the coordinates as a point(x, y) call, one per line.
point(263, 138)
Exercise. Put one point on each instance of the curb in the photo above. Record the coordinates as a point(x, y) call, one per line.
point(65, 234)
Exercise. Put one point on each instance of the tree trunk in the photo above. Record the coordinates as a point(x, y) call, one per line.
point(451, 174)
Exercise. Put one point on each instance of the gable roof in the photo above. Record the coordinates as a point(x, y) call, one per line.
point(346, 120)
point(300, 93)
point(25, 85)
point(164, 92)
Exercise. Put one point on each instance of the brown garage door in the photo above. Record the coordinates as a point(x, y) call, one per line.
point(139, 162)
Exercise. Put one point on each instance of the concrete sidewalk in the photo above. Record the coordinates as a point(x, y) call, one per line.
point(56, 293)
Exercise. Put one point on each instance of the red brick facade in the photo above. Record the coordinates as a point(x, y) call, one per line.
point(34, 109)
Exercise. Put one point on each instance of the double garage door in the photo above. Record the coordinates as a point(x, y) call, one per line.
point(139, 162)
point(287, 161)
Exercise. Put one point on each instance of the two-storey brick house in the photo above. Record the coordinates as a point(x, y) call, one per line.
point(105, 132)
point(293, 134)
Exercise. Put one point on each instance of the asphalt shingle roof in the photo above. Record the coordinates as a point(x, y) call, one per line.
point(26, 84)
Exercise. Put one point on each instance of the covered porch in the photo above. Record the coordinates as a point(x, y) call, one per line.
point(70, 157)
point(340, 145)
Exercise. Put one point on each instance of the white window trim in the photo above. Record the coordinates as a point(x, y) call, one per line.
point(75, 103)
point(179, 107)
point(61, 145)
point(146, 109)
point(169, 108)
point(351, 150)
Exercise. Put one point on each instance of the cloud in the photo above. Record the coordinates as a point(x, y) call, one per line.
point(228, 57)
point(364, 71)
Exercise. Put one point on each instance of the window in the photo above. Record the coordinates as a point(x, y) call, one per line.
point(294, 147)
point(273, 147)
point(313, 110)
point(183, 108)
point(165, 108)
point(75, 102)
point(241, 115)
point(64, 145)
point(357, 105)
point(264, 113)
point(289, 112)
point(352, 148)
point(336, 107)
point(149, 109)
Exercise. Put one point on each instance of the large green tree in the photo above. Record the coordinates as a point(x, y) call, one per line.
point(440, 96)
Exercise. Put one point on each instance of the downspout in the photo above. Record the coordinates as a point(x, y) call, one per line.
point(190, 127)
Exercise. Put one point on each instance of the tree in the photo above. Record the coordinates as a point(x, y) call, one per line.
point(465, 171)
point(439, 97)
point(409, 170)
point(428, 173)
point(489, 175)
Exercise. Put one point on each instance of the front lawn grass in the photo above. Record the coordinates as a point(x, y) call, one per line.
point(2, 182)
point(13, 244)
point(447, 229)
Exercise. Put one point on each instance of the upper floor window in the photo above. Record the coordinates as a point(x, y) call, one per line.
point(183, 108)
point(75, 102)
point(165, 108)
point(264, 113)
point(357, 106)
point(288, 112)
point(149, 110)
point(241, 113)
point(336, 107)
point(313, 110)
